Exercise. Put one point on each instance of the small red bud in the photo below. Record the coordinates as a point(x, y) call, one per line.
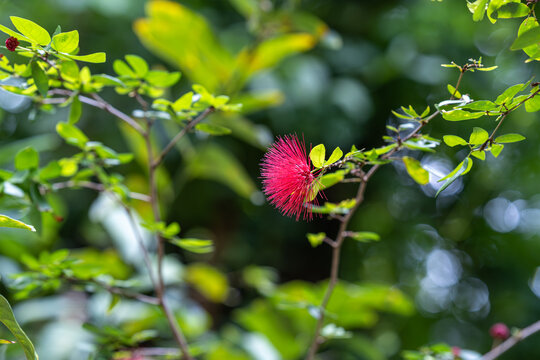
point(12, 43)
point(58, 218)
point(1, 56)
point(456, 351)
point(499, 331)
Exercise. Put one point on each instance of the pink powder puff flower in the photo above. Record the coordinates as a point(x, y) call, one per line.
point(288, 182)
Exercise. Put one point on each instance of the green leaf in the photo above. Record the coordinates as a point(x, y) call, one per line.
point(364, 236)
point(453, 140)
point(460, 115)
point(66, 42)
point(336, 155)
point(478, 8)
point(184, 102)
point(7, 342)
point(457, 172)
point(138, 64)
point(496, 149)
point(40, 79)
point(317, 156)
point(75, 111)
point(509, 138)
point(528, 24)
point(452, 90)
point(201, 56)
point(10, 32)
point(489, 68)
point(526, 39)
point(8, 319)
point(71, 134)
point(196, 246)
point(31, 30)
point(27, 158)
point(478, 136)
point(479, 154)
point(513, 10)
point(212, 129)
point(161, 78)
point(509, 93)
point(99, 57)
point(415, 170)
point(6, 221)
point(316, 239)
point(328, 180)
point(533, 104)
point(481, 105)
point(209, 281)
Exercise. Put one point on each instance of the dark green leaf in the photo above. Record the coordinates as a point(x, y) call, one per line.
point(40, 78)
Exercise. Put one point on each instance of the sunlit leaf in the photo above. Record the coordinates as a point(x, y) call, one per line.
point(8, 319)
point(209, 281)
point(6, 221)
point(415, 170)
point(31, 30)
point(27, 158)
point(66, 42)
point(317, 156)
point(335, 156)
point(478, 136)
point(453, 140)
point(509, 138)
point(316, 239)
point(460, 115)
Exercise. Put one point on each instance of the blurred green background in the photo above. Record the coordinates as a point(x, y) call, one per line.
point(466, 260)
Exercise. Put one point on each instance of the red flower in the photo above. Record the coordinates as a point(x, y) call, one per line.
point(12, 43)
point(287, 179)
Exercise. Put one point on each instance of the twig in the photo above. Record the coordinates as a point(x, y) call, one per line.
point(94, 186)
point(116, 290)
point(160, 286)
point(342, 232)
point(181, 134)
point(511, 341)
point(99, 103)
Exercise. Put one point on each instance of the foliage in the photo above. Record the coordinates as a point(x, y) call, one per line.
point(288, 319)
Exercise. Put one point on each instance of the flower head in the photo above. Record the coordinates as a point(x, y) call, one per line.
point(287, 179)
point(12, 43)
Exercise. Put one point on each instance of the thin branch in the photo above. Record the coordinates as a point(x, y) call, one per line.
point(94, 186)
point(342, 232)
point(512, 341)
point(115, 290)
point(181, 134)
point(160, 286)
point(99, 103)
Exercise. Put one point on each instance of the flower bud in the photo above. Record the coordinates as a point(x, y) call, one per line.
point(499, 331)
point(12, 43)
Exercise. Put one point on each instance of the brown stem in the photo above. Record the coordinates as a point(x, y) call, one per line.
point(160, 288)
point(99, 103)
point(342, 232)
point(512, 341)
point(181, 134)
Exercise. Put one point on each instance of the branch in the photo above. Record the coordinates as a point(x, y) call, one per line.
point(181, 134)
point(512, 341)
point(94, 186)
point(154, 201)
point(99, 103)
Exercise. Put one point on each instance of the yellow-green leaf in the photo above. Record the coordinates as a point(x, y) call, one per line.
point(415, 170)
point(66, 42)
point(31, 30)
point(6, 221)
point(317, 156)
point(336, 155)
